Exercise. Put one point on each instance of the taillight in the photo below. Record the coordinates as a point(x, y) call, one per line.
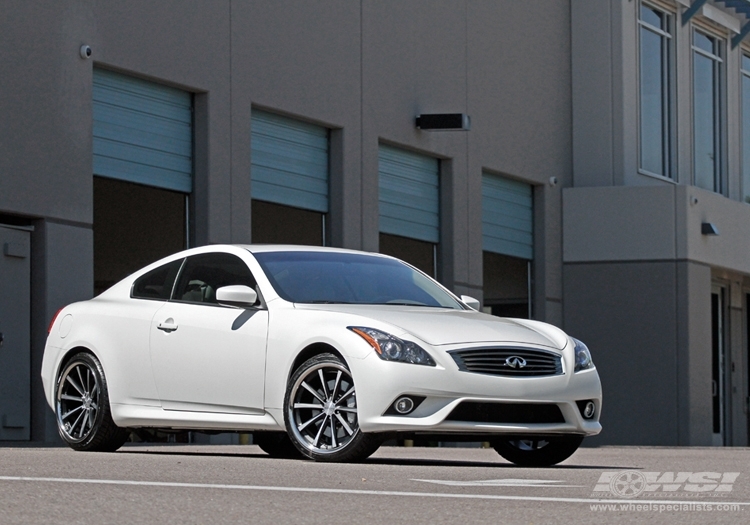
point(54, 317)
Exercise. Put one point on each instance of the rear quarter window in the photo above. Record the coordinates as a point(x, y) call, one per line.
point(157, 284)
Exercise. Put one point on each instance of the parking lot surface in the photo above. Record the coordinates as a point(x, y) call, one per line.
point(240, 484)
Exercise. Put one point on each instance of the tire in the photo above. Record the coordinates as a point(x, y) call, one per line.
point(538, 452)
point(82, 407)
point(276, 445)
point(321, 412)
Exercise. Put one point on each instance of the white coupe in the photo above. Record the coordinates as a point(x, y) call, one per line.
point(318, 352)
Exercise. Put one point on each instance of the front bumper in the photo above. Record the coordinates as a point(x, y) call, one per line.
point(379, 383)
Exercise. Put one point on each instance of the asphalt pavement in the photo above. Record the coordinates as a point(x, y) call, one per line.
point(205, 484)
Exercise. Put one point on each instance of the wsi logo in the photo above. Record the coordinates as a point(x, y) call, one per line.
point(632, 483)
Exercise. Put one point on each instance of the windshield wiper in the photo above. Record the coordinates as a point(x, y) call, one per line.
point(320, 301)
point(411, 303)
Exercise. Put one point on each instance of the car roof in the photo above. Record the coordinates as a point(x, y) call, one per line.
point(265, 248)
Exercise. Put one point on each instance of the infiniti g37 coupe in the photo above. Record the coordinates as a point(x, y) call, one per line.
point(318, 352)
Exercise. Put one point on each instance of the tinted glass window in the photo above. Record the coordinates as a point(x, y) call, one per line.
point(651, 16)
point(706, 113)
point(157, 284)
point(655, 96)
point(319, 277)
point(204, 274)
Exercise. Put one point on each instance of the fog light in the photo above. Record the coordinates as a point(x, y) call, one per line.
point(589, 410)
point(403, 405)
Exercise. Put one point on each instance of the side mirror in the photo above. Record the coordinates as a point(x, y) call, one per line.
point(470, 302)
point(236, 295)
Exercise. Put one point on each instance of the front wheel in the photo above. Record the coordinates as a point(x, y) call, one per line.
point(538, 452)
point(82, 407)
point(321, 412)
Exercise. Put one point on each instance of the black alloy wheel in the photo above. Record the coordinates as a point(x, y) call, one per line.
point(538, 451)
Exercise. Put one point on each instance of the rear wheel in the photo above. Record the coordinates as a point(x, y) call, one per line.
point(538, 452)
point(82, 407)
point(321, 412)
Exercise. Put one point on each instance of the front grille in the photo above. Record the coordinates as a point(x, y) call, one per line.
point(514, 362)
point(475, 412)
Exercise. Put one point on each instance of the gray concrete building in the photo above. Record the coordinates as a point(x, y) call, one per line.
point(602, 186)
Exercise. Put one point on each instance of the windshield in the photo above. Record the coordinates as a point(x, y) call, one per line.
point(350, 278)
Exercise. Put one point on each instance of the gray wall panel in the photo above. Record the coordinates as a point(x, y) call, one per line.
point(45, 155)
point(521, 122)
point(694, 354)
point(591, 24)
point(619, 223)
point(626, 314)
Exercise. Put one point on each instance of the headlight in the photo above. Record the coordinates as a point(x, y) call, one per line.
point(583, 356)
point(391, 348)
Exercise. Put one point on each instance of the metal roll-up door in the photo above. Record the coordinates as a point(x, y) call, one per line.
point(143, 132)
point(507, 217)
point(289, 162)
point(409, 194)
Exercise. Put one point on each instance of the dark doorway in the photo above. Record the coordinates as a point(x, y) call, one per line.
point(134, 225)
point(718, 373)
point(506, 285)
point(420, 254)
point(280, 224)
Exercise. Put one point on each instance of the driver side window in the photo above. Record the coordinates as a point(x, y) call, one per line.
point(203, 274)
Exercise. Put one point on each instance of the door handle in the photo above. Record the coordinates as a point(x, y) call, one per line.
point(167, 326)
point(2, 339)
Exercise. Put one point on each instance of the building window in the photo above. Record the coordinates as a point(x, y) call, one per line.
point(746, 128)
point(655, 92)
point(707, 121)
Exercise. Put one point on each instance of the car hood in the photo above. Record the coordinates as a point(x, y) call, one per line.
point(437, 326)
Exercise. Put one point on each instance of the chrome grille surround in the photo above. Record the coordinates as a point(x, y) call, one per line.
point(509, 361)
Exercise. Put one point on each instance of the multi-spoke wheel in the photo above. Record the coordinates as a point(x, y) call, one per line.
point(82, 407)
point(538, 452)
point(321, 412)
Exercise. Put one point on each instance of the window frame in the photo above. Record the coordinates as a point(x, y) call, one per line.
point(719, 104)
point(669, 87)
point(176, 276)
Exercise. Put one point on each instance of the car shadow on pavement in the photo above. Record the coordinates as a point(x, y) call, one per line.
point(152, 452)
point(485, 464)
point(409, 462)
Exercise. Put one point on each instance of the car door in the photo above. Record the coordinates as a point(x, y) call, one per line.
point(208, 357)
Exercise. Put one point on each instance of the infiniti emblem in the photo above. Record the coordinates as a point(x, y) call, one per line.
point(515, 361)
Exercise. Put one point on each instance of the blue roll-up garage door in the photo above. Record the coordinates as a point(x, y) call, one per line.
point(143, 132)
point(409, 194)
point(507, 216)
point(289, 162)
